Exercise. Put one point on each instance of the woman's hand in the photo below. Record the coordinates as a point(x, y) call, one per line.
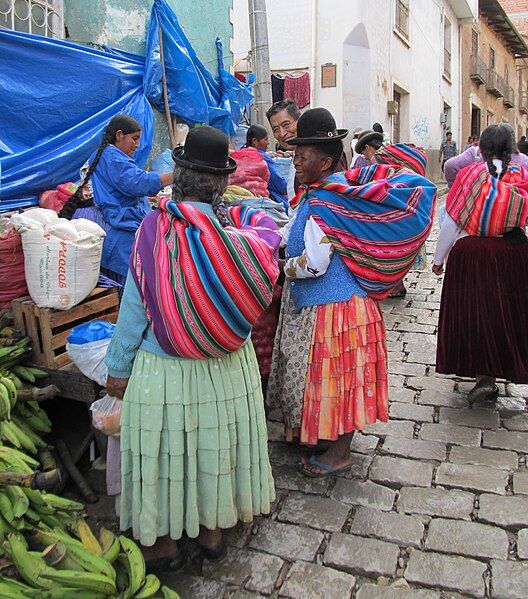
point(116, 387)
point(438, 269)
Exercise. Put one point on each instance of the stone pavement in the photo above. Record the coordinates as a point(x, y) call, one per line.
point(436, 504)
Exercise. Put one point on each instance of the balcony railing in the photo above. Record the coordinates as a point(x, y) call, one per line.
point(402, 18)
point(479, 70)
point(523, 102)
point(509, 96)
point(447, 63)
point(495, 84)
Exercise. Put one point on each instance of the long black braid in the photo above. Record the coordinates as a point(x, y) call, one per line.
point(121, 122)
point(497, 142)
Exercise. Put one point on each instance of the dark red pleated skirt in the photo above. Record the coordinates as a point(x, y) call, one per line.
point(483, 326)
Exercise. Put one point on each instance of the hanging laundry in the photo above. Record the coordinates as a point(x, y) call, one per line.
point(277, 87)
point(298, 89)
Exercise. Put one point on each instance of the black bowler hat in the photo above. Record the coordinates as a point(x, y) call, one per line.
point(366, 138)
point(206, 150)
point(317, 126)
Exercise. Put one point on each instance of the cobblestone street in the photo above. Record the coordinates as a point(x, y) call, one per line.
point(436, 504)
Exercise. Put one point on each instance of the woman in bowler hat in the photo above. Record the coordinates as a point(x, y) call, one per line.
point(194, 450)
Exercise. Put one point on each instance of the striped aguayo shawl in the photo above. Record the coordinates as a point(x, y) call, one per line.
point(204, 286)
point(488, 207)
point(377, 218)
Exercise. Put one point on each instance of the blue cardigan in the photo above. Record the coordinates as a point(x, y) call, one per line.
point(337, 284)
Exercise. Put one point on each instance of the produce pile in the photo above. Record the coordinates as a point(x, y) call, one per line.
point(47, 549)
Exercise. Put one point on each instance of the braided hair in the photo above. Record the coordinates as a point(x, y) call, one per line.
point(497, 142)
point(206, 187)
point(121, 122)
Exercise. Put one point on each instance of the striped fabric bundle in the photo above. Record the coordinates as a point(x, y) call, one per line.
point(406, 155)
point(488, 207)
point(377, 219)
point(204, 286)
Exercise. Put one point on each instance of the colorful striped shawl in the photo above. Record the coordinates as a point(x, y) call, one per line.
point(407, 155)
point(488, 207)
point(377, 219)
point(203, 286)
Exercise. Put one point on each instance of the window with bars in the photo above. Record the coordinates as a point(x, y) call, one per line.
point(402, 18)
point(447, 48)
point(43, 17)
point(492, 59)
point(474, 42)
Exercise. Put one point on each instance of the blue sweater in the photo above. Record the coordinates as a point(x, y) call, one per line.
point(337, 284)
point(120, 190)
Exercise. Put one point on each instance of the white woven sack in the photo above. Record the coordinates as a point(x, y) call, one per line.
point(60, 273)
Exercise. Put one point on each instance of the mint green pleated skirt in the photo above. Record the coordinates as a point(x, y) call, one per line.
point(193, 445)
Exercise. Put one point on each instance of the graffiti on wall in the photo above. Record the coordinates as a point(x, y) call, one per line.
point(420, 131)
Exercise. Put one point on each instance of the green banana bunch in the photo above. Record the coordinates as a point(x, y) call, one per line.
point(35, 418)
point(13, 460)
point(29, 373)
point(12, 589)
point(12, 355)
point(150, 588)
point(109, 544)
point(6, 507)
point(19, 500)
point(30, 567)
point(133, 562)
point(81, 580)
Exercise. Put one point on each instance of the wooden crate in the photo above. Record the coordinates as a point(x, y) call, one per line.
point(48, 329)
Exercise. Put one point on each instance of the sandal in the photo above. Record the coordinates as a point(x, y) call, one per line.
point(482, 391)
point(328, 470)
point(172, 563)
point(213, 553)
point(401, 291)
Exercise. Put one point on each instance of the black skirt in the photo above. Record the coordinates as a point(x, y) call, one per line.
point(483, 325)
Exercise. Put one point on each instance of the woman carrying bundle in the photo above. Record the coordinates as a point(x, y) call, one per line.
point(483, 315)
point(194, 451)
point(120, 190)
point(329, 369)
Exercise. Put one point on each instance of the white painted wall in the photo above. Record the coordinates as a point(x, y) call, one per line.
point(357, 35)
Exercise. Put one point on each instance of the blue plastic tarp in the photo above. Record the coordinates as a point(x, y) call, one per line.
point(194, 93)
point(57, 97)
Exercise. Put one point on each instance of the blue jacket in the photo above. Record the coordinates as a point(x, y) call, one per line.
point(120, 190)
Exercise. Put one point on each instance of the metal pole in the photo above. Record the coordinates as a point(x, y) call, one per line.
point(258, 28)
point(170, 129)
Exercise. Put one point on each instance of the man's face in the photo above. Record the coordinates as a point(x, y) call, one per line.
point(284, 127)
point(449, 137)
point(310, 164)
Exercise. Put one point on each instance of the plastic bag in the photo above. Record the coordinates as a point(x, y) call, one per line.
point(106, 415)
point(90, 359)
point(252, 172)
point(87, 345)
point(96, 330)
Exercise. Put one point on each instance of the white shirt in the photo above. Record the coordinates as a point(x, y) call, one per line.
point(450, 232)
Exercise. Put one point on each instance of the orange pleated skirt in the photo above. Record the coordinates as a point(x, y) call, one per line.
point(346, 379)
